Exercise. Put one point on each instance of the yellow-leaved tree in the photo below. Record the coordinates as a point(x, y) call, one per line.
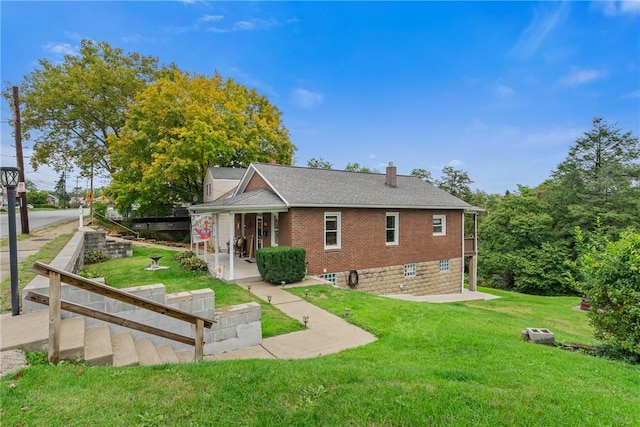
point(181, 125)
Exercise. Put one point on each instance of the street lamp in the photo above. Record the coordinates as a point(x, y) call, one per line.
point(10, 176)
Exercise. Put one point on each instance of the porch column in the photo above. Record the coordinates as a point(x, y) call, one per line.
point(216, 241)
point(232, 224)
point(473, 262)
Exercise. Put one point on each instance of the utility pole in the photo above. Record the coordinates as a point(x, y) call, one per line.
point(24, 214)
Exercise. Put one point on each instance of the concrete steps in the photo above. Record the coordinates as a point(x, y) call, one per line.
point(97, 346)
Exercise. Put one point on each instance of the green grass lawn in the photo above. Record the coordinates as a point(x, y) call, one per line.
point(126, 272)
point(457, 364)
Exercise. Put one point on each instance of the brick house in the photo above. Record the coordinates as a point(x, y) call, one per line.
point(382, 233)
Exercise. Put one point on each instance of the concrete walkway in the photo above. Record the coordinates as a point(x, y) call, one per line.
point(325, 333)
point(466, 295)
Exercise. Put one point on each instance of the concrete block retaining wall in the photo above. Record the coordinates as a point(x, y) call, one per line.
point(237, 326)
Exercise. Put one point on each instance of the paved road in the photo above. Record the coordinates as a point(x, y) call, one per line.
point(39, 219)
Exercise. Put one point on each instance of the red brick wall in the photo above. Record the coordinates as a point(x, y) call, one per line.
point(363, 243)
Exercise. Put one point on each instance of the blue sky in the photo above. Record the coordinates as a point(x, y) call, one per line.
point(498, 89)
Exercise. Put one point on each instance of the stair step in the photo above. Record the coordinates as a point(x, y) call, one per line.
point(97, 346)
point(124, 350)
point(147, 352)
point(167, 354)
point(28, 332)
point(184, 356)
point(72, 338)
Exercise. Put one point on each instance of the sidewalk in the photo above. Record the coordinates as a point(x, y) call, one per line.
point(30, 246)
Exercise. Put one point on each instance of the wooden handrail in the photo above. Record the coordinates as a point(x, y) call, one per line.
point(117, 294)
point(116, 320)
point(56, 276)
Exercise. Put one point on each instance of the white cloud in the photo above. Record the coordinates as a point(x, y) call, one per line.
point(372, 156)
point(504, 91)
point(543, 23)
point(633, 94)
point(60, 48)
point(580, 77)
point(455, 163)
point(306, 99)
point(211, 18)
point(617, 8)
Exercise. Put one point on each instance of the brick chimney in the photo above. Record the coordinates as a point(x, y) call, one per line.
point(272, 162)
point(392, 179)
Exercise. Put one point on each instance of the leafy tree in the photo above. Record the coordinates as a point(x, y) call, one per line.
point(61, 190)
point(519, 250)
point(72, 107)
point(181, 125)
point(423, 174)
point(599, 179)
point(611, 281)
point(37, 198)
point(319, 163)
point(356, 167)
point(455, 182)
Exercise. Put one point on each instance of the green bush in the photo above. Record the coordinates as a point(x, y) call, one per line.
point(611, 282)
point(281, 264)
point(194, 264)
point(190, 261)
point(179, 256)
point(94, 257)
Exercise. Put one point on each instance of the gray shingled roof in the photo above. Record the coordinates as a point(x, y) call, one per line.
point(299, 186)
point(293, 186)
point(227, 173)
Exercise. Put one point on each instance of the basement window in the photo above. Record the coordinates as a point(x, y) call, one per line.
point(410, 270)
point(330, 277)
point(444, 265)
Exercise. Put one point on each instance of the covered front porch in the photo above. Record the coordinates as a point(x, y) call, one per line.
point(243, 271)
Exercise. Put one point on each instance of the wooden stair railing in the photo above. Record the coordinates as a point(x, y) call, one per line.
point(57, 276)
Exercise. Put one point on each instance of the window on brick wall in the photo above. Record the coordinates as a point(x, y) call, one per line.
point(439, 225)
point(392, 228)
point(444, 265)
point(332, 237)
point(410, 270)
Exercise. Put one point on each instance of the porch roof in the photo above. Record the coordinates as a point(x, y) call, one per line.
point(262, 199)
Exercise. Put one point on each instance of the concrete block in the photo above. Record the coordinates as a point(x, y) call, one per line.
point(540, 336)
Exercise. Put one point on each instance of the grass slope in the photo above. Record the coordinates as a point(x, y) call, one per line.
point(434, 364)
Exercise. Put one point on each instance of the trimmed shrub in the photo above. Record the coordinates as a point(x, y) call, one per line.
point(282, 264)
point(94, 257)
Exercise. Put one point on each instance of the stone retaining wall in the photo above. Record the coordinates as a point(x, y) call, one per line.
point(429, 280)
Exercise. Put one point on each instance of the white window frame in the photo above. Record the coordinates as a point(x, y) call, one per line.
point(338, 232)
point(410, 270)
point(443, 220)
point(396, 229)
point(444, 265)
point(275, 221)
